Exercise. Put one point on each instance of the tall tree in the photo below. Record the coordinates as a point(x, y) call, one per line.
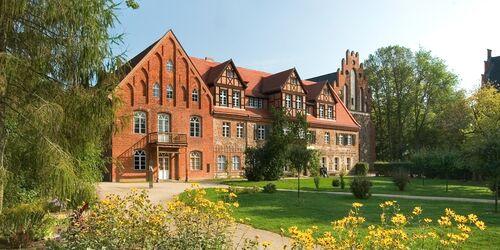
point(55, 78)
point(407, 90)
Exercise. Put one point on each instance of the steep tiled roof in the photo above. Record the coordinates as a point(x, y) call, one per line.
point(331, 77)
point(313, 89)
point(126, 68)
point(273, 83)
point(215, 72)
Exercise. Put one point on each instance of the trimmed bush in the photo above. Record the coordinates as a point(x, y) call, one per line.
point(269, 188)
point(25, 223)
point(360, 187)
point(335, 182)
point(316, 182)
point(361, 168)
point(401, 179)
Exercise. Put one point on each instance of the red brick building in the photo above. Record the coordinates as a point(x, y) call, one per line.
point(192, 118)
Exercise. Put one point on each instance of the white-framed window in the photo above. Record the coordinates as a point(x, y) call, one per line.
point(194, 95)
point(321, 111)
point(170, 92)
point(170, 66)
point(139, 122)
point(348, 164)
point(236, 163)
point(340, 139)
point(236, 98)
point(195, 160)
point(336, 163)
point(221, 163)
point(288, 101)
point(230, 73)
point(261, 132)
point(163, 123)
point(327, 137)
point(298, 102)
point(139, 160)
point(226, 128)
point(156, 90)
point(239, 130)
point(195, 126)
point(254, 102)
point(349, 140)
point(223, 97)
point(329, 112)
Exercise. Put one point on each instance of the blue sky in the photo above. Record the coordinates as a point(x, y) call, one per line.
point(274, 35)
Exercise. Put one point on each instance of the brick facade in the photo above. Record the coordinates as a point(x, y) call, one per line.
point(230, 105)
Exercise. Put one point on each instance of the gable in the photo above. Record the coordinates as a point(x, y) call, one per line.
point(326, 94)
point(293, 84)
point(231, 77)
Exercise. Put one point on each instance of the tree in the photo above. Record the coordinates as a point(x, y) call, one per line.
point(483, 141)
point(408, 89)
point(56, 75)
point(299, 159)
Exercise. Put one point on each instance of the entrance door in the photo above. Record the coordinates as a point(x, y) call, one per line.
point(164, 170)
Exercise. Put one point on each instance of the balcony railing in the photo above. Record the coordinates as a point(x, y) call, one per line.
point(165, 138)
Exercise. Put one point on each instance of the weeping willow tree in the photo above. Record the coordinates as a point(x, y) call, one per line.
point(57, 72)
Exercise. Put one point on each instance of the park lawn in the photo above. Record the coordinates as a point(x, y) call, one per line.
point(282, 210)
point(384, 185)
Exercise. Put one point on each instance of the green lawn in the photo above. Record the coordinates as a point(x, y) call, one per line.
point(281, 210)
point(384, 185)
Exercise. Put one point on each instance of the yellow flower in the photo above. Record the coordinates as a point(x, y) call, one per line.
point(427, 220)
point(480, 225)
point(236, 204)
point(399, 220)
point(444, 221)
point(266, 244)
point(357, 205)
point(232, 195)
point(472, 217)
point(449, 212)
point(417, 211)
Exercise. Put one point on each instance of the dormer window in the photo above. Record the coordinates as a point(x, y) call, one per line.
point(288, 101)
point(223, 97)
point(170, 66)
point(321, 111)
point(230, 73)
point(298, 102)
point(236, 99)
point(294, 81)
point(329, 112)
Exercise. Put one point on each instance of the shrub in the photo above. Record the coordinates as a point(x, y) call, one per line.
point(26, 223)
point(361, 168)
point(316, 182)
point(401, 179)
point(389, 168)
point(84, 194)
point(335, 182)
point(342, 181)
point(269, 188)
point(360, 187)
point(492, 187)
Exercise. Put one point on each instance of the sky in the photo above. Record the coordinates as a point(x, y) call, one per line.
point(313, 35)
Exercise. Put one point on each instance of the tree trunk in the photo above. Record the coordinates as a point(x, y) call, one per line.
point(298, 185)
point(496, 194)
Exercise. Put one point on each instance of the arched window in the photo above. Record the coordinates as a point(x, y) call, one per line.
point(360, 99)
point(352, 75)
point(170, 66)
point(344, 95)
point(139, 160)
point(144, 88)
point(195, 126)
point(156, 90)
point(236, 163)
point(221, 163)
point(170, 92)
point(195, 160)
point(194, 95)
point(163, 123)
point(140, 122)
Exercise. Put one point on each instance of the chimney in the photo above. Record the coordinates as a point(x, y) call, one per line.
point(209, 59)
point(489, 53)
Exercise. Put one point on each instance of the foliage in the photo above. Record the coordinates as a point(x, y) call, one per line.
point(342, 175)
point(85, 194)
point(393, 231)
point(361, 168)
point(25, 223)
point(483, 144)
point(253, 166)
point(190, 222)
point(335, 182)
point(317, 179)
point(389, 168)
point(55, 89)
point(360, 187)
point(401, 179)
point(269, 188)
point(413, 93)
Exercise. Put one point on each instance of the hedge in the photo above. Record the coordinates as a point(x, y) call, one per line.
point(383, 168)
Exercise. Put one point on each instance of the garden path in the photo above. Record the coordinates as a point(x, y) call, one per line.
point(165, 191)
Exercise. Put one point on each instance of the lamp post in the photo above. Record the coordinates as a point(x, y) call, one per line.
point(150, 174)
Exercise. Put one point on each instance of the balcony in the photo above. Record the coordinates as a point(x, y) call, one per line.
point(168, 139)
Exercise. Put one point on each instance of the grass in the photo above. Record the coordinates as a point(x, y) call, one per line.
point(282, 210)
point(384, 185)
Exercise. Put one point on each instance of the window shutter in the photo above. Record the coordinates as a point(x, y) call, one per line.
point(255, 131)
point(337, 139)
point(353, 140)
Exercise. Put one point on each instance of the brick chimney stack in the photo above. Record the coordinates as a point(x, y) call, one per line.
point(489, 53)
